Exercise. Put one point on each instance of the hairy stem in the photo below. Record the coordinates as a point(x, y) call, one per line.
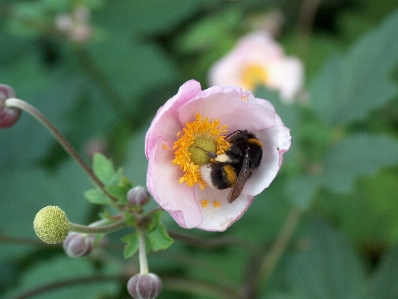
point(97, 229)
point(67, 283)
point(17, 103)
point(142, 252)
point(275, 253)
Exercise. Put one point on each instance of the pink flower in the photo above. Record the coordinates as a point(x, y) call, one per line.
point(257, 59)
point(189, 125)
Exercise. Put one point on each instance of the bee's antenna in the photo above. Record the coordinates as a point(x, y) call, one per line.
point(210, 154)
point(234, 132)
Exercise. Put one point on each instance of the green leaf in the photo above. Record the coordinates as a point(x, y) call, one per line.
point(155, 220)
point(206, 33)
point(132, 244)
point(349, 87)
point(96, 196)
point(159, 238)
point(103, 168)
point(368, 214)
point(355, 156)
point(119, 192)
point(129, 218)
point(157, 233)
point(328, 268)
point(383, 282)
point(301, 190)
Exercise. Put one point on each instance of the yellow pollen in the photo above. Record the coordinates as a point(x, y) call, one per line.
point(216, 204)
point(244, 98)
point(253, 75)
point(199, 128)
point(204, 203)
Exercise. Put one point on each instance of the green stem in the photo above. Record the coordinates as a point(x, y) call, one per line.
point(142, 252)
point(275, 253)
point(201, 288)
point(97, 229)
point(69, 283)
point(17, 103)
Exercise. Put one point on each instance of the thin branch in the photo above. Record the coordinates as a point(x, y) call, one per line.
point(307, 14)
point(273, 256)
point(97, 229)
point(24, 241)
point(305, 24)
point(20, 104)
point(69, 282)
point(201, 288)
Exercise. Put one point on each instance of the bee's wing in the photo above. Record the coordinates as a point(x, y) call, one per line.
point(243, 176)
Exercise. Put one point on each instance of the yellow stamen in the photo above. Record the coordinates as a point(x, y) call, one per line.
point(253, 75)
point(216, 204)
point(199, 129)
point(204, 203)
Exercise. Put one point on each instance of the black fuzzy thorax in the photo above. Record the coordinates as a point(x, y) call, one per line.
point(240, 142)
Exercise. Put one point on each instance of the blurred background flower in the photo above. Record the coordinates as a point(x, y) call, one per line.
point(257, 59)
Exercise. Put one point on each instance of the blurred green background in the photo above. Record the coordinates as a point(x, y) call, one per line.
point(336, 191)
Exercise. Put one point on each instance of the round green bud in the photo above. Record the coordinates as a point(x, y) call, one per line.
point(200, 148)
point(51, 225)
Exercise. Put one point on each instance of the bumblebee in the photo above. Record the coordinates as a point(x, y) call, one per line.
point(234, 168)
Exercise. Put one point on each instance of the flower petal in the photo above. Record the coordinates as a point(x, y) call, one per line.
point(275, 141)
point(287, 75)
point(166, 122)
point(219, 218)
point(163, 183)
point(209, 209)
point(230, 105)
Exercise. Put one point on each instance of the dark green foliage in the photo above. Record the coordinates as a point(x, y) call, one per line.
point(340, 173)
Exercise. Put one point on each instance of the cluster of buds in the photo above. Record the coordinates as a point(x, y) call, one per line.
point(76, 25)
point(52, 226)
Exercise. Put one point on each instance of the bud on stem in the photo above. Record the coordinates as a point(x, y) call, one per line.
point(8, 115)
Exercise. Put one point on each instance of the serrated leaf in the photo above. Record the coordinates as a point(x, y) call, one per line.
point(157, 233)
point(129, 218)
point(383, 282)
point(132, 244)
point(96, 196)
point(155, 220)
point(104, 170)
point(159, 238)
point(328, 268)
point(118, 192)
point(355, 156)
point(349, 87)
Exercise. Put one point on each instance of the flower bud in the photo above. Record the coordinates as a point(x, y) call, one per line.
point(144, 286)
point(51, 225)
point(95, 145)
point(8, 116)
point(78, 245)
point(138, 196)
